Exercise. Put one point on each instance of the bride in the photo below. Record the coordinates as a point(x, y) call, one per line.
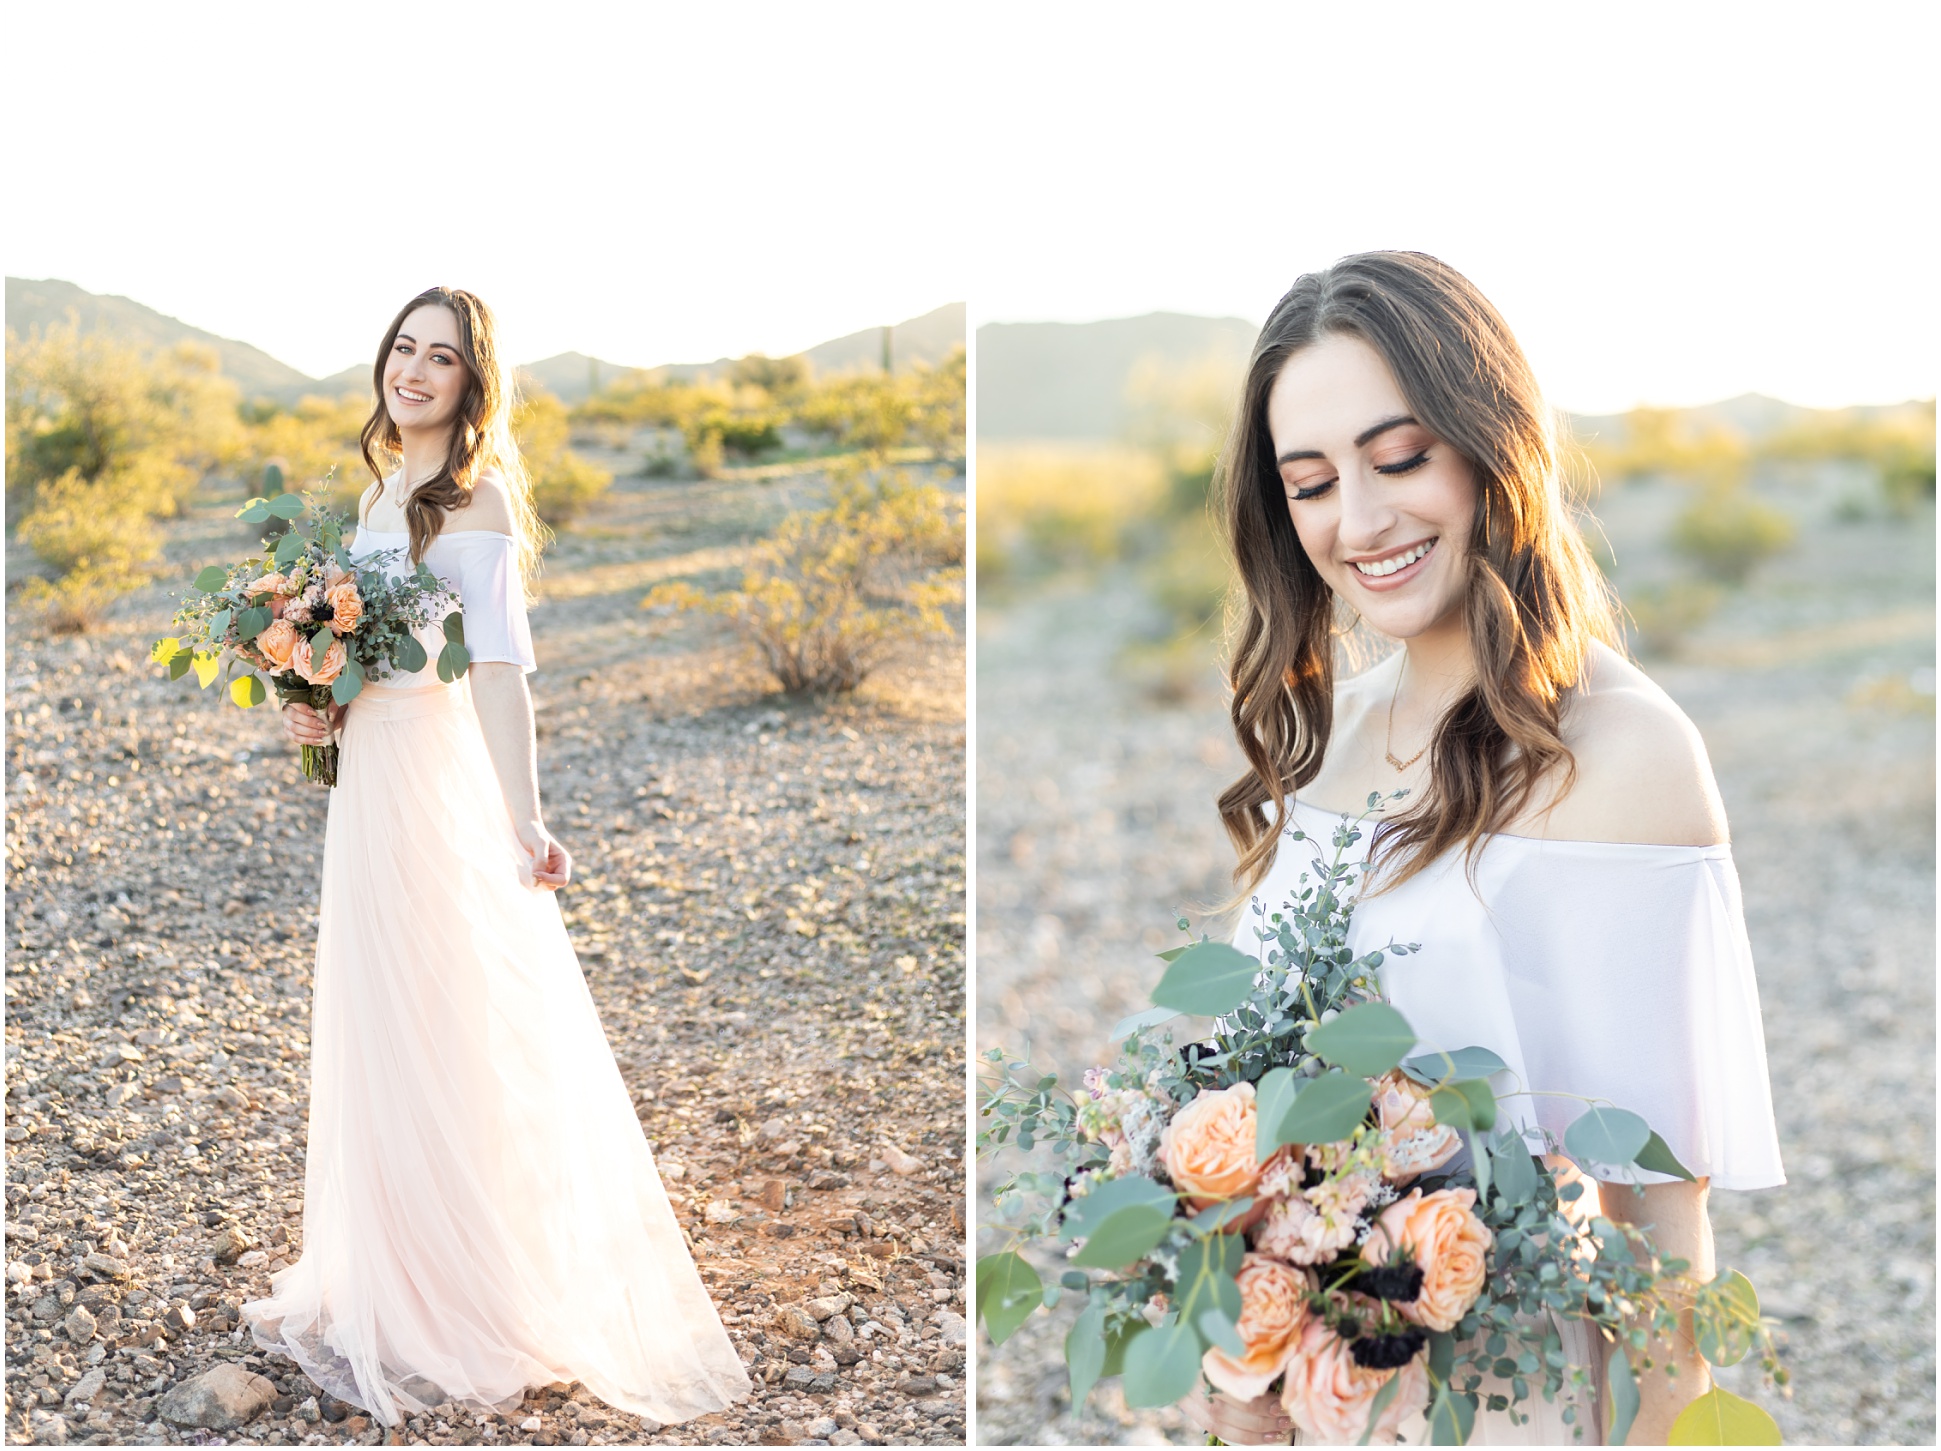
point(481, 1210)
point(1561, 854)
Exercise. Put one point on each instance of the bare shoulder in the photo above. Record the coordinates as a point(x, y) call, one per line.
point(490, 506)
point(1642, 772)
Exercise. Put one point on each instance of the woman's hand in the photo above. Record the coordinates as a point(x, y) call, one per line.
point(1259, 1422)
point(552, 865)
point(309, 728)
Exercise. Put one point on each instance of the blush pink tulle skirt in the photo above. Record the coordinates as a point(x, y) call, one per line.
point(481, 1210)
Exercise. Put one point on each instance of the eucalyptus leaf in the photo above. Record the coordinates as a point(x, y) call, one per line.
point(1326, 1110)
point(1085, 1213)
point(1126, 1235)
point(1368, 1039)
point(1162, 1365)
point(287, 506)
point(246, 691)
point(452, 661)
point(1209, 978)
point(1607, 1136)
point(256, 511)
point(1719, 1418)
point(1384, 1398)
point(253, 621)
point(346, 687)
point(1656, 1155)
point(1150, 1018)
point(1008, 1290)
point(219, 624)
point(1623, 1396)
point(1725, 1317)
point(211, 577)
point(163, 651)
point(288, 549)
point(1465, 1104)
point(1085, 1353)
point(1434, 1068)
point(1451, 1418)
point(1218, 1328)
point(1515, 1170)
point(205, 663)
point(1273, 1097)
point(1172, 952)
point(179, 663)
point(455, 627)
point(411, 655)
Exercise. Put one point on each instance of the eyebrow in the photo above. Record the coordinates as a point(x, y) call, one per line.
point(448, 347)
point(1366, 436)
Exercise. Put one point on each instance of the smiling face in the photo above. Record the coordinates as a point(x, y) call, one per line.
point(425, 377)
point(1381, 505)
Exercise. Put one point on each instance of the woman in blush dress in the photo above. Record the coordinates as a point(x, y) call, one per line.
point(1561, 853)
point(481, 1210)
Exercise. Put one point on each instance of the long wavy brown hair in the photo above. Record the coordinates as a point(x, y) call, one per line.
point(1536, 599)
point(481, 433)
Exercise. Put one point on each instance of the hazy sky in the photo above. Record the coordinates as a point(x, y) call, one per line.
point(1669, 203)
point(647, 183)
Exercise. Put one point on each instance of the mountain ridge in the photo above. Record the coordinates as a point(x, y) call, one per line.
point(571, 376)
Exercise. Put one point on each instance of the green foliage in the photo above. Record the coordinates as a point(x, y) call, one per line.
point(1728, 532)
point(563, 483)
point(314, 442)
point(1664, 615)
point(1719, 1418)
point(103, 441)
point(1898, 447)
point(836, 591)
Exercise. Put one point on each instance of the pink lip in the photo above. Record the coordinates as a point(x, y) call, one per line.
point(1383, 583)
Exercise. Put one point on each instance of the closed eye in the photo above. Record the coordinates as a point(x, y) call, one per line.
point(1312, 491)
point(1406, 466)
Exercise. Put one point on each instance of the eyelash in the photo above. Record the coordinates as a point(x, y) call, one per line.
point(1407, 466)
point(436, 357)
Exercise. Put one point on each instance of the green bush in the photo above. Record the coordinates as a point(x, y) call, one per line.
point(836, 591)
point(1729, 532)
point(563, 483)
point(1661, 616)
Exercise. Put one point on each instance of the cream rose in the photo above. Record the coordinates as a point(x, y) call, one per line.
point(277, 642)
point(346, 607)
point(1448, 1243)
point(1328, 1396)
point(1273, 1308)
point(1208, 1148)
point(1413, 1143)
point(318, 672)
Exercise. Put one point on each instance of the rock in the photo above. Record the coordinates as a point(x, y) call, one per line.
point(308, 1410)
point(179, 1317)
point(79, 1325)
point(828, 1179)
point(848, 1353)
point(838, 1329)
point(231, 1245)
point(121, 1093)
point(531, 1423)
point(955, 1330)
point(722, 1211)
point(19, 1272)
point(775, 1196)
point(900, 1162)
point(773, 1129)
point(225, 1398)
point(822, 1427)
point(48, 1307)
point(797, 1324)
point(334, 1410)
point(918, 1385)
point(250, 1259)
point(799, 1378)
point(827, 1305)
point(845, 1438)
point(49, 1429)
point(107, 1266)
point(866, 1278)
point(87, 1387)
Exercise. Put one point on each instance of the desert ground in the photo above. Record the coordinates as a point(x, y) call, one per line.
point(768, 904)
point(1813, 687)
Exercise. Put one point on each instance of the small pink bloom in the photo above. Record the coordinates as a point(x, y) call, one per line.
point(1328, 1396)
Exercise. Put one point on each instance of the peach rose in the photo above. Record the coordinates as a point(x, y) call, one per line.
point(1449, 1244)
point(324, 671)
point(334, 574)
point(1328, 1396)
point(1315, 1224)
point(1273, 1308)
point(272, 583)
point(1413, 1143)
point(277, 642)
point(1208, 1148)
point(346, 607)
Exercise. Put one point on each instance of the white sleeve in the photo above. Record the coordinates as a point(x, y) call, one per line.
point(492, 596)
point(1630, 978)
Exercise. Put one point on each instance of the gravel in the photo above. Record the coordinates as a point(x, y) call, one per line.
point(769, 907)
point(1814, 689)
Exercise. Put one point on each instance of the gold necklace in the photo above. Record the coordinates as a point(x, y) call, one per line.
point(1388, 742)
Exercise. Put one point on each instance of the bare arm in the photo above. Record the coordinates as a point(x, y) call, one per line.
point(1681, 1228)
point(505, 715)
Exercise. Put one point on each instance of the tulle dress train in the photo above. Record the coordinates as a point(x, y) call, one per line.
point(481, 1209)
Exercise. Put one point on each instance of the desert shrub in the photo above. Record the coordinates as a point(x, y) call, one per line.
point(563, 483)
point(1043, 507)
point(837, 590)
point(315, 444)
point(1661, 616)
point(103, 441)
point(1729, 532)
point(776, 377)
point(1898, 445)
point(922, 408)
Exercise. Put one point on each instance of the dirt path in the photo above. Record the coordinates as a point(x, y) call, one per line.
point(1096, 821)
point(770, 911)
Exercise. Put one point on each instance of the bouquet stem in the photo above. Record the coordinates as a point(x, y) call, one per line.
point(319, 762)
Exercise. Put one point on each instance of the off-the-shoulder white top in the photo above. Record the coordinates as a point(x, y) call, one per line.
point(1618, 972)
point(482, 567)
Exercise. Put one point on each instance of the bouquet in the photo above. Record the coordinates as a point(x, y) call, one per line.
point(308, 618)
point(1304, 1206)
